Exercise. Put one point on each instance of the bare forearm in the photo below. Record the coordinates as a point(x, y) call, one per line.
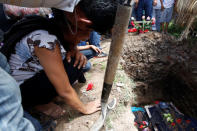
point(72, 99)
point(83, 47)
point(161, 2)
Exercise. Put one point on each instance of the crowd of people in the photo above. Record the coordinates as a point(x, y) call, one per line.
point(40, 56)
point(160, 10)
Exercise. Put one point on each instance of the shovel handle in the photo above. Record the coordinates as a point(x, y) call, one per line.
point(118, 35)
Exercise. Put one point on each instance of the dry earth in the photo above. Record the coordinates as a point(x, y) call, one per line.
point(120, 119)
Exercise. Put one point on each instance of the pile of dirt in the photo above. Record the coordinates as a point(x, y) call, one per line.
point(163, 69)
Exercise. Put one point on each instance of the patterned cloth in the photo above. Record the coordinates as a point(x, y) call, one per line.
point(66, 5)
point(24, 63)
point(16, 11)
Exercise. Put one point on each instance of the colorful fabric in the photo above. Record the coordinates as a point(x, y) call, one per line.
point(66, 5)
point(166, 117)
point(134, 109)
point(16, 11)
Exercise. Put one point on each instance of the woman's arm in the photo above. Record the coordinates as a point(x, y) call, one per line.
point(51, 61)
point(162, 6)
point(89, 47)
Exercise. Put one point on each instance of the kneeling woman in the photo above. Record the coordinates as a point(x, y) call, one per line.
point(39, 61)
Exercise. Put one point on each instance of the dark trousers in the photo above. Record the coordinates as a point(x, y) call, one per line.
point(39, 90)
point(147, 6)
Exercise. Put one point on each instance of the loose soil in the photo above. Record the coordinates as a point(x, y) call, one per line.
point(163, 69)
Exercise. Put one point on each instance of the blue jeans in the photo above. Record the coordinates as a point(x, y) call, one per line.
point(11, 111)
point(147, 6)
point(89, 53)
point(95, 39)
point(12, 116)
point(158, 18)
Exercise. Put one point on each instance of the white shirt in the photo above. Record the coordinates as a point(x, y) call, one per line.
point(168, 3)
point(66, 5)
point(158, 6)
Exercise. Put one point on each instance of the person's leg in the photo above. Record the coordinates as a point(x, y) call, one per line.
point(89, 53)
point(139, 10)
point(87, 67)
point(166, 27)
point(148, 6)
point(35, 122)
point(11, 111)
point(168, 17)
point(158, 17)
point(39, 90)
point(163, 19)
point(95, 39)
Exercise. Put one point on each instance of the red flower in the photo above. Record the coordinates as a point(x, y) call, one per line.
point(188, 121)
point(146, 31)
point(140, 31)
point(156, 102)
point(141, 126)
point(90, 85)
point(132, 30)
point(144, 122)
point(178, 121)
point(153, 23)
point(173, 124)
point(132, 23)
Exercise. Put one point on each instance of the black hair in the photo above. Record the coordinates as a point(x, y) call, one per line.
point(101, 12)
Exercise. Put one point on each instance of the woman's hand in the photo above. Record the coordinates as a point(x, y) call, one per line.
point(92, 107)
point(80, 59)
point(95, 48)
point(162, 8)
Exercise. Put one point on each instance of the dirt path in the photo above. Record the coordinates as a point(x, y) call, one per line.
point(120, 119)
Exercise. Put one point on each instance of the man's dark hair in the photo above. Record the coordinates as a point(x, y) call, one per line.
point(101, 12)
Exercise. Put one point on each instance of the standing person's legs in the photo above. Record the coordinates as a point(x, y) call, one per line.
point(158, 17)
point(11, 111)
point(168, 17)
point(163, 19)
point(139, 10)
point(148, 6)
